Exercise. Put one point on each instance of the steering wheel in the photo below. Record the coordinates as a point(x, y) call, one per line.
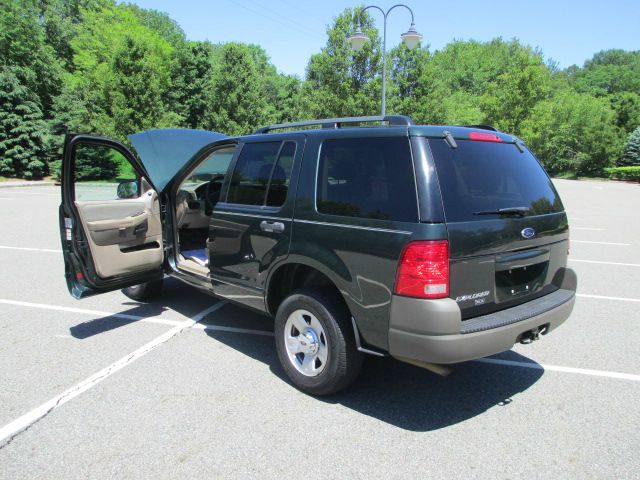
point(212, 193)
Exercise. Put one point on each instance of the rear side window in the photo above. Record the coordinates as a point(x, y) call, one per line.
point(262, 174)
point(367, 177)
point(484, 176)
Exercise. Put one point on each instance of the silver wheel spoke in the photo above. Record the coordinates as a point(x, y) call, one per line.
point(323, 353)
point(305, 343)
point(308, 364)
point(315, 324)
point(293, 344)
point(299, 323)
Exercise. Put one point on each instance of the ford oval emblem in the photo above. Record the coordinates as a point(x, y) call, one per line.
point(528, 233)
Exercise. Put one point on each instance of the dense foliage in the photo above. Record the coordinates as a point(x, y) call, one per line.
point(95, 66)
point(631, 155)
point(624, 173)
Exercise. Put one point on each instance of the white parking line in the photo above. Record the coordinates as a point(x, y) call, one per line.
point(25, 421)
point(38, 194)
point(96, 313)
point(29, 249)
point(602, 297)
point(593, 229)
point(15, 427)
point(601, 243)
point(605, 263)
point(126, 316)
point(555, 368)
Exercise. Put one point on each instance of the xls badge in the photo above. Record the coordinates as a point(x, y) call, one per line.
point(528, 233)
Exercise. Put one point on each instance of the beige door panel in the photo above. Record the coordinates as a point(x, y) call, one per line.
point(124, 235)
point(119, 231)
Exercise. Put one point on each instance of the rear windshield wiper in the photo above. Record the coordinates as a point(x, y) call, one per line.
point(518, 211)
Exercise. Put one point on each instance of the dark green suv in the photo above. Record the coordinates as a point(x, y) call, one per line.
point(363, 235)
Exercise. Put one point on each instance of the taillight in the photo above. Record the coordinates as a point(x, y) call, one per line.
point(423, 270)
point(484, 137)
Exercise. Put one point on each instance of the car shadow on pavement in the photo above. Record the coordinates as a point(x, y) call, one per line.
point(397, 393)
point(418, 400)
point(177, 297)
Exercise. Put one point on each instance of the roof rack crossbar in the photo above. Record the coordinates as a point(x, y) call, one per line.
point(402, 120)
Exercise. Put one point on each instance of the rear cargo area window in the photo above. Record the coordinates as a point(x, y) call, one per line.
point(479, 177)
point(367, 177)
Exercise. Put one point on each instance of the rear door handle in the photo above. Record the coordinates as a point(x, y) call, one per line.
point(273, 227)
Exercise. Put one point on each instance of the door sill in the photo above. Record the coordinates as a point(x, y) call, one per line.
point(189, 266)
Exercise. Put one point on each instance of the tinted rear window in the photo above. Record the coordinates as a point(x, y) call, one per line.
point(367, 177)
point(485, 176)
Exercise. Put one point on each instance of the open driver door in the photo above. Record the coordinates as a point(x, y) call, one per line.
point(110, 222)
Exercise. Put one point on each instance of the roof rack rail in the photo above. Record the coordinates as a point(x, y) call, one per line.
point(337, 122)
point(482, 127)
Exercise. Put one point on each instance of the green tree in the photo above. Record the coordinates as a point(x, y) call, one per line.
point(62, 20)
point(573, 132)
point(121, 74)
point(23, 47)
point(279, 90)
point(470, 82)
point(22, 130)
point(341, 81)
point(406, 70)
point(627, 108)
point(510, 97)
point(609, 72)
point(140, 80)
point(237, 101)
point(159, 23)
point(192, 81)
point(631, 154)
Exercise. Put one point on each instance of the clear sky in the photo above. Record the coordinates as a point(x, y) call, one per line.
point(569, 32)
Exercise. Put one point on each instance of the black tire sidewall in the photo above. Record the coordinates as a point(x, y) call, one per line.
point(144, 291)
point(335, 375)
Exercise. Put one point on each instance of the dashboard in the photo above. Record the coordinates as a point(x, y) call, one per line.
point(195, 202)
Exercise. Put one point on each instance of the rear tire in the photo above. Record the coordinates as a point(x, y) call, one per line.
point(315, 342)
point(145, 291)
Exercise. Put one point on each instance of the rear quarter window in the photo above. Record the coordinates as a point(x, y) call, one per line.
point(368, 178)
point(485, 176)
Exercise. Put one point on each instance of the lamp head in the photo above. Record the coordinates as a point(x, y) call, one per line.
point(411, 37)
point(358, 39)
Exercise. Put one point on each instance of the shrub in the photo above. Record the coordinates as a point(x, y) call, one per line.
point(624, 173)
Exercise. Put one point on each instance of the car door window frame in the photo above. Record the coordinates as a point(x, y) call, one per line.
point(263, 207)
point(68, 175)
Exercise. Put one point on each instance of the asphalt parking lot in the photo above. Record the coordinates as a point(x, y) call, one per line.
point(109, 388)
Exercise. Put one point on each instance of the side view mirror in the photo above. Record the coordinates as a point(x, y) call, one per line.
point(128, 189)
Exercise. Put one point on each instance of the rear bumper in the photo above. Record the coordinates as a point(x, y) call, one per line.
point(432, 330)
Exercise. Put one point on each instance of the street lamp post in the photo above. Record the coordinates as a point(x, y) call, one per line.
point(411, 38)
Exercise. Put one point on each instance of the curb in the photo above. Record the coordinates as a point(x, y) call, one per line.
point(36, 183)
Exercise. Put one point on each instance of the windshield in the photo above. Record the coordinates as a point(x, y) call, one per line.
point(483, 180)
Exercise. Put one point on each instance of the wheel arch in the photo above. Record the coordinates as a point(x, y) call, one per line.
point(297, 274)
